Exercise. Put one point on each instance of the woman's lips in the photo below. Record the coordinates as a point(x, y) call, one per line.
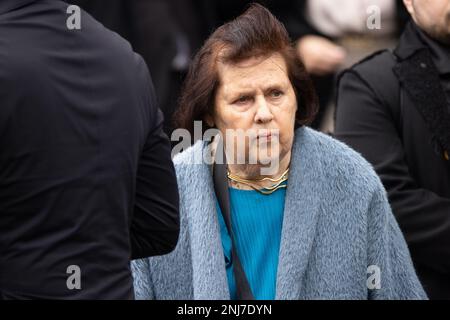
point(267, 136)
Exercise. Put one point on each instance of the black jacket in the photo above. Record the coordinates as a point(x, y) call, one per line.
point(393, 109)
point(86, 177)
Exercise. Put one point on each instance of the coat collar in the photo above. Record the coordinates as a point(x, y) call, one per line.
point(439, 52)
point(298, 231)
point(9, 5)
point(300, 216)
point(409, 42)
point(414, 39)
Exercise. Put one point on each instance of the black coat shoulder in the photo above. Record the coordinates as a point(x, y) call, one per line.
point(376, 72)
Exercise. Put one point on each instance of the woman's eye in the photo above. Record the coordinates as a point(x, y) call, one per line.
point(276, 93)
point(243, 100)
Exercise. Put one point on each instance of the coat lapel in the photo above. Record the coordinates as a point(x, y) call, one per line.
point(300, 217)
point(209, 274)
point(420, 80)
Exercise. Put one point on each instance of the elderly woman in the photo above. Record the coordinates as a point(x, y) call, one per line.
point(317, 225)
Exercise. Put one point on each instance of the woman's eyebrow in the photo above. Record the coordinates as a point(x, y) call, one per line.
point(275, 86)
point(236, 93)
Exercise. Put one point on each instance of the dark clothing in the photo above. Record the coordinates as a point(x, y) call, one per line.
point(393, 109)
point(86, 177)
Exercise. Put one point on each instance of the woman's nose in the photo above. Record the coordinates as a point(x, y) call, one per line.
point(263, 113)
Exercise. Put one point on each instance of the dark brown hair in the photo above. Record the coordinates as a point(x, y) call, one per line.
point(256, 33)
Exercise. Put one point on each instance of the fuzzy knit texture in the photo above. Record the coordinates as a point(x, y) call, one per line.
point(337, 222)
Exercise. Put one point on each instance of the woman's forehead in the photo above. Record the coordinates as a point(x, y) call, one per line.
point(271, 70)
point(267, 61)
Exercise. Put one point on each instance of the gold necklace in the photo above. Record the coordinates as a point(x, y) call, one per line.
point(278, 183)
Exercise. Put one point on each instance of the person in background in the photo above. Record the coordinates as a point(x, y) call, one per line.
point(86, 176)
point(332, 35)
point(310, 227)
point(394, 108)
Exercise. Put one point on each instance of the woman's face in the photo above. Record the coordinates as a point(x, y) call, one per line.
point(257, 96)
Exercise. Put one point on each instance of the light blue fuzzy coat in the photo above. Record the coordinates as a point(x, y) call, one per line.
point(337, 222)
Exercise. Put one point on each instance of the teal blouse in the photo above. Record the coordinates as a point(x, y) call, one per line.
point(257, 221)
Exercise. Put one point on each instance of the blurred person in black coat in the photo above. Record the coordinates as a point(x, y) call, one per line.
point(394, 108)
point(86, 178)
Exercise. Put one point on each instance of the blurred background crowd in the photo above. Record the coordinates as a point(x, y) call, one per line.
point(329, 36)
